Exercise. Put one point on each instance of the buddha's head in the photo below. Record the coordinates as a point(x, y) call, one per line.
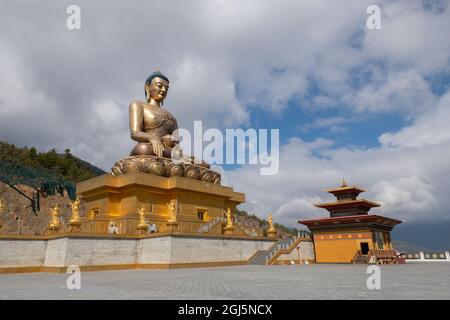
point(156, 87)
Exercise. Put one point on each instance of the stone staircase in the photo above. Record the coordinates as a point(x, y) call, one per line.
point(359, 258)
point(259, 258)
point(205, 228)
point(264, 257)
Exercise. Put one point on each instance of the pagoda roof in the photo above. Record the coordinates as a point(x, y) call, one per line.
point(343, 188)
point(351, 219)
point(348, 203)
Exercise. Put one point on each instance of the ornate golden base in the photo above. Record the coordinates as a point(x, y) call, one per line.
point(118, 198)
point(74, 225)
point(172, 225)
point(164, 167)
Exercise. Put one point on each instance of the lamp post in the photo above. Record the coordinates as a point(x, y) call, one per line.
point(298, 254)
point(2, 207)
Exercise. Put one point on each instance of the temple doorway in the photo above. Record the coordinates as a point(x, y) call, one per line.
point(364, 248)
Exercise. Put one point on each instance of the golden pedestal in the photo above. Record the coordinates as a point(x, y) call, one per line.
point(228, 230)
point(119, 198)
point(54, 228)
point(142, 228)
point(74, 225)
point(272, 233)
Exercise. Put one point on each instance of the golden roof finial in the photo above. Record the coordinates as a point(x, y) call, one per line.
point(344, 184)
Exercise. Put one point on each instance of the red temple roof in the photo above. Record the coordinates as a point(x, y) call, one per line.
point(347, 204)
point(346, 188)
point(351, 219)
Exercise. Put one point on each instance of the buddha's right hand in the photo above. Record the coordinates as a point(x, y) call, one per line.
point(157, 147)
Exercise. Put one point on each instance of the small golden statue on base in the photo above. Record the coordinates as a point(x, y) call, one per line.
point(55, 222)
point(75, 220)
point(2, 207)
point(228, 230)
point(142, 225)
point(271, 232)
point(173, 210)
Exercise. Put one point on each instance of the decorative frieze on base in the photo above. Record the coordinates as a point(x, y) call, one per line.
point(172, 226)
point(164, 167)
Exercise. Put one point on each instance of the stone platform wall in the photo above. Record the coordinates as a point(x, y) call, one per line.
point(27, 254)
point(306, 249)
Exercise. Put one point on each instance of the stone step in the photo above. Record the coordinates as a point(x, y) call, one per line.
point(361, 260)
point(259, 258)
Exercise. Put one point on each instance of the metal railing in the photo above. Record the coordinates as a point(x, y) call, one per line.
point(357, 255)
point(285, 244)
point(209, 225)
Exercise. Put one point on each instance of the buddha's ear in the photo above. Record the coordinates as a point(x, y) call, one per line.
point(147, 91)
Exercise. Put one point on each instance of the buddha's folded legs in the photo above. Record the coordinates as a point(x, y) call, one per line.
point(146, 149)
point(143, 148)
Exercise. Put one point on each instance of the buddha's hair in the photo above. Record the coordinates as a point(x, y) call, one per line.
point(156, 74)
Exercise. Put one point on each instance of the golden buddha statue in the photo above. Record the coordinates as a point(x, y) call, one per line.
point(228, 229)
point(172, 210)
point(271, 232)
point(229, 217)
point(2, 207)
point(271, 227)
point(152, 126)
point(55, 222)
point(156, 131)
point(142, 224)
point(75, 217)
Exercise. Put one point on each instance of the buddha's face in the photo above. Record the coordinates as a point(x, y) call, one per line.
point(157, 90)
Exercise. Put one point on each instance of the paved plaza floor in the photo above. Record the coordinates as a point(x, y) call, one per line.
point(411, 281)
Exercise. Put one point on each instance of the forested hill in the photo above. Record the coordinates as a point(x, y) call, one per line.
point(46, 173)
point(65, 166)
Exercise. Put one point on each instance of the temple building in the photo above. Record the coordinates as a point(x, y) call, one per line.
point(350, 234)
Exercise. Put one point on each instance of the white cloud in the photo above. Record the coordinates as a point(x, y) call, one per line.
point(404, 91)
point(431, 128)
point(409, 195)
point(410, 35)
point(331, 123)
point(410, 181)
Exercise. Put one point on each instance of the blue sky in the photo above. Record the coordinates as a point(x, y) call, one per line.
point(362, 131)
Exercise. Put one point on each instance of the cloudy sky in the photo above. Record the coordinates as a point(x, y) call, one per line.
point(372, 106)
